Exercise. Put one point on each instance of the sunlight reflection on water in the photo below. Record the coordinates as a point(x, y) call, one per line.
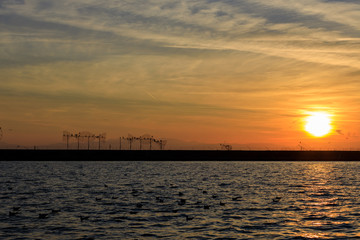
point(177, 200)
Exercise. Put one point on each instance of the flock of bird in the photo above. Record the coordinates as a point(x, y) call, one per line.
point(180, 201)
point(17, 210)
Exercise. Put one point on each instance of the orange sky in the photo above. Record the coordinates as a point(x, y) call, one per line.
point(245, 72)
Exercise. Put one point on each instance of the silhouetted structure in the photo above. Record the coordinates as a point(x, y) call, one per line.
point(227, 147)
point(88, 136)
point(179, 155)
point(66, 137)
point(102, 138)
point(81, 136)
point(144, 139)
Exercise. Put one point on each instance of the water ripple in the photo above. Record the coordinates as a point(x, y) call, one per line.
point(179, 200)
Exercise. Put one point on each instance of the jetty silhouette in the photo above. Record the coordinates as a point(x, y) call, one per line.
point(176, 155)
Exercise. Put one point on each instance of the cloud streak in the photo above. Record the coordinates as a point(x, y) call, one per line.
point(196, 60)
point(216, 25)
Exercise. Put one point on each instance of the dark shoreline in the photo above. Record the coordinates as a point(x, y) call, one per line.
point(175, 155)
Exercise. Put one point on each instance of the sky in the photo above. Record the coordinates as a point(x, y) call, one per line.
point(211, 71)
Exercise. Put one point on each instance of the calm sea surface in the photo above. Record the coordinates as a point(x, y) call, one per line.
point(179, 200)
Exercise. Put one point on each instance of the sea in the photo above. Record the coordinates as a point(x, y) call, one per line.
point(179, 200)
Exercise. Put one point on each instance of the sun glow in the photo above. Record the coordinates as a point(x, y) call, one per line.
point(318, 124)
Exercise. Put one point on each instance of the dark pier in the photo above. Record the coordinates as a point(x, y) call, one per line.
point(176, 155)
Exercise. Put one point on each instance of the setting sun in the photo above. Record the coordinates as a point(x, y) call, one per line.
point(318, 124)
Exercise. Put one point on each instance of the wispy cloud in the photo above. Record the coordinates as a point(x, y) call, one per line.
point(253, 26)
point(346, 13)
point(201, 58)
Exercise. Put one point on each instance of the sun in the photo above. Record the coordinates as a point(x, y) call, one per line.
point(318, 124)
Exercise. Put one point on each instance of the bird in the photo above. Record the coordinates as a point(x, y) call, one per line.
point(135, 192)
point(159, 199)
point(276, 199)
point(16, 208)
point(236, 198)
point(82, 218)
point(43, 215)
point(12, 213)
point(54, 211)
point(182, 201)
point(205, 192)
point(222, 204)
point(206, 207)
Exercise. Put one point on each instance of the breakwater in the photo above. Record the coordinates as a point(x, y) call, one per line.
point(176, 155)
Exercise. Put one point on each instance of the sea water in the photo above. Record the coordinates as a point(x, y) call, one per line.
point(179, 200)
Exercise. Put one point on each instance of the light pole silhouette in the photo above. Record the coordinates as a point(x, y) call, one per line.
point(130, 139)
point(101, 138)
point(140, 139)
point(66, 137)
point(88, 135)
point(146, 137)
point(77, 137)
point(151, 139)
point(161, 143)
